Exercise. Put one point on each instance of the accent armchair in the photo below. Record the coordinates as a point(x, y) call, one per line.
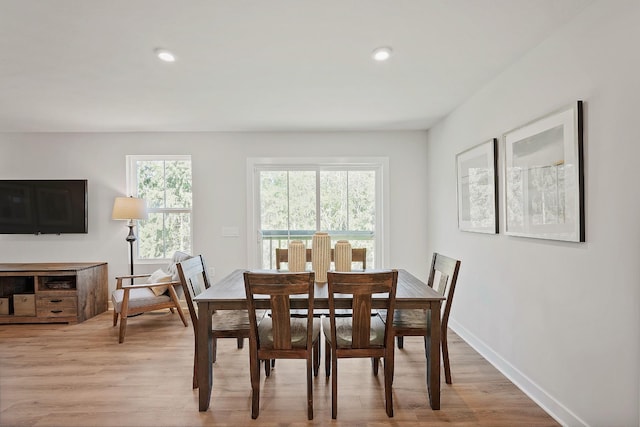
point(162, 290)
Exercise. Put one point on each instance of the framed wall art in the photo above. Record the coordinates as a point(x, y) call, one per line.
point(477, 188)
point(544, 178)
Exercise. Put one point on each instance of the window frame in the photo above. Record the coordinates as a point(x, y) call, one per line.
point(257, 164)
point(132, 188)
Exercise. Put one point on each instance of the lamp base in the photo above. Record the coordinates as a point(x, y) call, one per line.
point(131, 237)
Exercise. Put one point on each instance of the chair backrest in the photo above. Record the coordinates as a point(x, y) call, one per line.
point(362, 287)
point(442, 278)
point(282, 255)
point(279, 287)
point(193, 275)
point(357, 255)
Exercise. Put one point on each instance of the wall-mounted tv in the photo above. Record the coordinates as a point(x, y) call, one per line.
point(43, 206)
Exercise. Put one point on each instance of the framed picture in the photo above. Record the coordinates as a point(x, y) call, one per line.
point(543, 177)
point(477, 188)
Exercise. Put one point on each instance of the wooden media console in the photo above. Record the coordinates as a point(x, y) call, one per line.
point(52, 292)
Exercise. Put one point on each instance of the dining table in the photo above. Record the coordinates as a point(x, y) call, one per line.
point(229, 294)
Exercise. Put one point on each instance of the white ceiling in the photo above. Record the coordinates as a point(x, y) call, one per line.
point(256, 65)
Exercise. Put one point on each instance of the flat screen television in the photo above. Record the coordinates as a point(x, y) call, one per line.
point(43, 206)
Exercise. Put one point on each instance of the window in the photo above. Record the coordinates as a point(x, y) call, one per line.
point(165, 183)
point(292, 199)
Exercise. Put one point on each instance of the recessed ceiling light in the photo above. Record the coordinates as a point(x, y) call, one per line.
point(165, 55)
point(381, 53)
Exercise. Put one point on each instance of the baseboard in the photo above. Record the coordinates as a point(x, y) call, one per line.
point(554, 408)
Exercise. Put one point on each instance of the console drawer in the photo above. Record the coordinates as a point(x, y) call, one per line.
point(57, 306)
point(24, 305)
point(4, 305)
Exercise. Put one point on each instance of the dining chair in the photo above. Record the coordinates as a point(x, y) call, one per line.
point(357, 255)
point(362, 334)
point(443, 276)
point(281, 336)
point(224, 323)
point(161, 290)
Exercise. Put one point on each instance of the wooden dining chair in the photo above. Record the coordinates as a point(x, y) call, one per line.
point(357, 255)
point(443, 276)
point(362, 334)
point(224, 323)
point(281, 336)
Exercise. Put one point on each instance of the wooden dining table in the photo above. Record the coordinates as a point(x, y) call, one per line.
point(229, 294)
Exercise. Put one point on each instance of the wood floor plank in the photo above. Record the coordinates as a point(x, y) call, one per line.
point(78, 375)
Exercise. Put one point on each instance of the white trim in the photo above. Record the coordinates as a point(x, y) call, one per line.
point(132, 189)
point(547, 402)
point(380, 164)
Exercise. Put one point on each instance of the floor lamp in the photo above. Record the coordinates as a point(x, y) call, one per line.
point(131, 209)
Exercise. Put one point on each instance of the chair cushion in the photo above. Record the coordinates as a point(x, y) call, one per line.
point(230, 320)
point(139, 297)
point(159, 276)
point(298, 332)
point(412, 319)
point(344, 335)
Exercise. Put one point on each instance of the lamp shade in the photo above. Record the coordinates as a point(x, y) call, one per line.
point(129, 208)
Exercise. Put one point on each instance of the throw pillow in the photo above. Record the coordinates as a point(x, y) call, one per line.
point(178, 256)
point(159, 276)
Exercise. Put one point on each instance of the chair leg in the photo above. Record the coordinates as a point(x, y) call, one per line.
point(195, 367)
point(115, 317)
point(375, 362)
point(445, 358)
point(427, 350)
point(214, 349)
point(268, 366)
point(123, 328)
point(400, 340)
point(327, 358)
point(254, 367)
point(240, 342)
point(124, 312)
point(310, 385)
point(176, 301)
point(388, 384)
point(334, 386)
point(316, 357)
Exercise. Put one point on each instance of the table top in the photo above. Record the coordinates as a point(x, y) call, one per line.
point(47, 266)
point(229, 294)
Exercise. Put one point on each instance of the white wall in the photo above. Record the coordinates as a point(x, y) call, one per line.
point(561, 319)
point(219, 189)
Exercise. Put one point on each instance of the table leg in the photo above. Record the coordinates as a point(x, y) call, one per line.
point(204, 355)
point(432, 349)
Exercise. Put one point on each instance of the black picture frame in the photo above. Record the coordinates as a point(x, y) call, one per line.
point(544, 177)
point(477, 179)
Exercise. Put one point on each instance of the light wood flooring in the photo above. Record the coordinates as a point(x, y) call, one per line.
point(78, 375)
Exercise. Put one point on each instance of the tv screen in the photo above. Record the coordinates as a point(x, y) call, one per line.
point(43, 206)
